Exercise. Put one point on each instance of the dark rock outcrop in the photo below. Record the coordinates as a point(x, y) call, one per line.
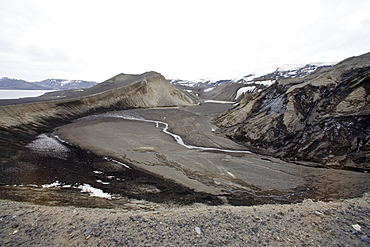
point(322, 118)
point(20, 122)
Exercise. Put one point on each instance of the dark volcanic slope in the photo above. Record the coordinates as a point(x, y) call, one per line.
point(322, 118)
point(150, 89)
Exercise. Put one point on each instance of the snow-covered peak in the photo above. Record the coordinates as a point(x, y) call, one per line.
point(265, 77)
point(285, 71)
point(287, 67)
point(243, 90)
point(66, 84)
point(48, 84)
point(201, 82)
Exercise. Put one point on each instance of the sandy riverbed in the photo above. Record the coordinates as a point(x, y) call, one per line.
point(144, 146)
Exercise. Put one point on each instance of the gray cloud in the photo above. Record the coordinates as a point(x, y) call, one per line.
point(95, 40)
point(39, 54)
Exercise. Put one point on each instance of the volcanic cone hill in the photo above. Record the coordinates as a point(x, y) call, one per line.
point(321, 118)
point(123, 91)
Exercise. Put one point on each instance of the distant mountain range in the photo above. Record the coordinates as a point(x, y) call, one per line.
point(264, 77)
point(232, 89)
point(49, 84)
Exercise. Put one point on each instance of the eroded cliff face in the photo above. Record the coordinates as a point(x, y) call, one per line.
point(322, 118)
point(22, 121)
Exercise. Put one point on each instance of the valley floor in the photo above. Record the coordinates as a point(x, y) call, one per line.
point(237, 176)
point(149, 214)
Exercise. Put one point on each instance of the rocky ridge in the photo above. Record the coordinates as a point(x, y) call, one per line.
point(123, 91)
point(227, 89)
point(321, 118)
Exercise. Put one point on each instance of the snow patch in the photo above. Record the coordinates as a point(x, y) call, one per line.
point(243, 90)
point(55, 184)
point(218, 101)
point(94, 192)
point(84, 188)
point(208, 89)
point(266, 82)
point(102, 182)
point(232, 175)
point(117, 162)
point(65, 82)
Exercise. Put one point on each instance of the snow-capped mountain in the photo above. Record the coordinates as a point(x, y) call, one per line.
point(264, 77)
point(49, 84)
point(62, 84)
point(286, 71)
point(201, 82)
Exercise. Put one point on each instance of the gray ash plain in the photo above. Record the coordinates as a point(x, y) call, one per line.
point(23, 177)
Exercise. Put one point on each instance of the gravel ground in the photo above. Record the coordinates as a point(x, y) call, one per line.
point(337, 223)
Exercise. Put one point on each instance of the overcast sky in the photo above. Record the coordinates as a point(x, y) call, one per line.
point(95, 40)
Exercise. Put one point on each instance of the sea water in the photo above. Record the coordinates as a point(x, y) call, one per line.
point(16, 94)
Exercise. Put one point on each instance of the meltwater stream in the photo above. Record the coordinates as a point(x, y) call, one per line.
point(178, 138)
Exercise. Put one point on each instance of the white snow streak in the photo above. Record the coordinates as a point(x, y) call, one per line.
point(219, 102)
point(208, 89)
point(243, 90)
point(87, 188)
point(94, 192)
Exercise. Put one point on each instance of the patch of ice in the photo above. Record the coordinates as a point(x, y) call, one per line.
point(118, 162)
point(266, 82)
point(55, 184)
point(94, 191)
point(219, 101)
point(197, 229)
point(208, 89)
point(101, 182)
point(98, 172)
point(22, 185)
point(232, 175)
point(84, 188)
point(259, 73)
point(288, 67)
point(65, 82)
point(243, 90)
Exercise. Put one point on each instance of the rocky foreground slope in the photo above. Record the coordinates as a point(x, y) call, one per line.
point(19, 121)
point(338, 223)
point(322, 118)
